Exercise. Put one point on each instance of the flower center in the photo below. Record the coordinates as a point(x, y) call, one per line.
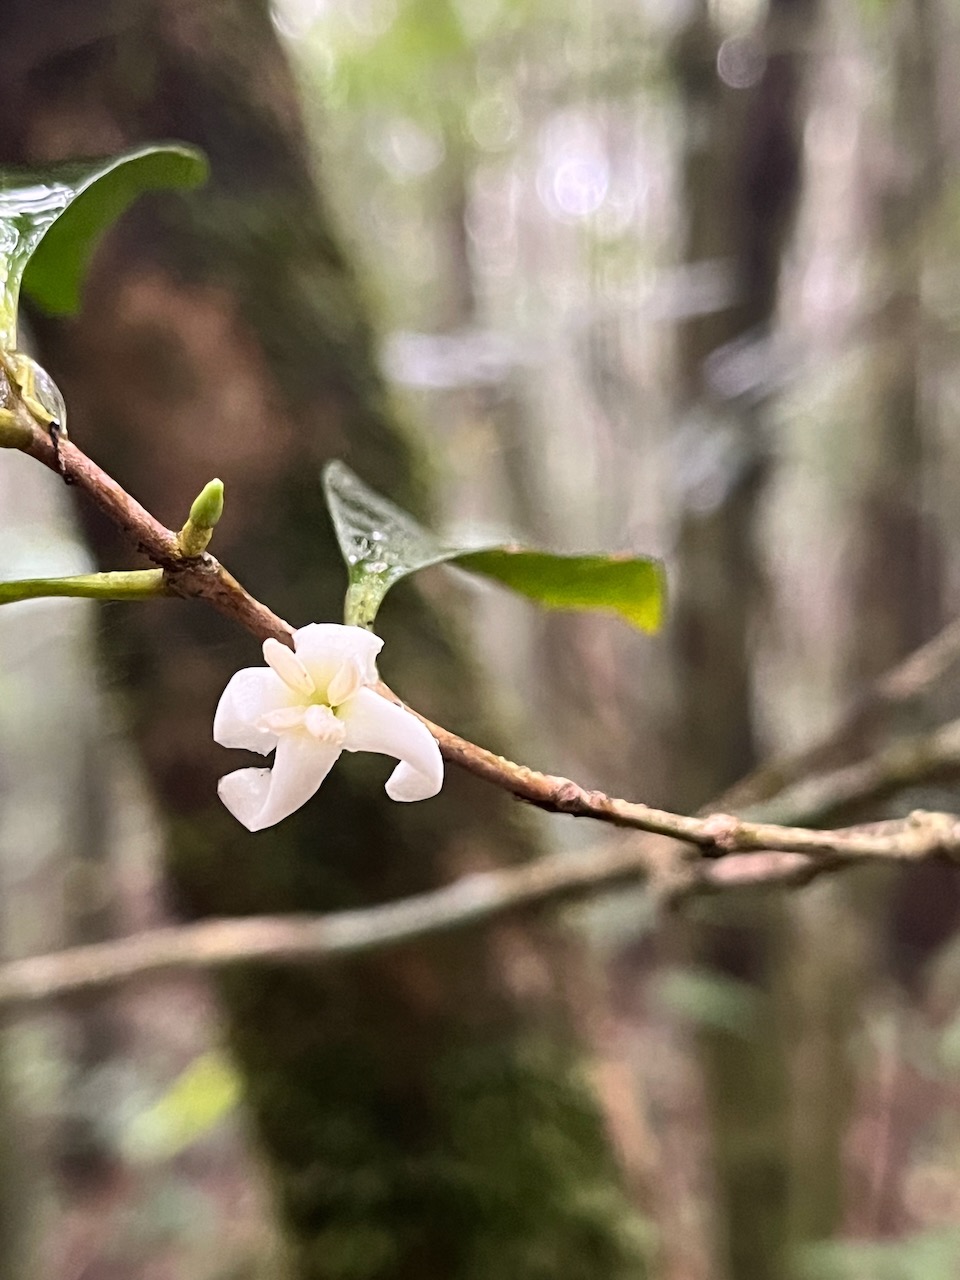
point(345, 682)
point(321, 723)
point(316, 719)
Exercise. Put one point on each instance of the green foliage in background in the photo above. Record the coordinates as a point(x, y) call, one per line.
point(198, 1100)
point(708, 999)
point(928, 1255)
point(419, 59)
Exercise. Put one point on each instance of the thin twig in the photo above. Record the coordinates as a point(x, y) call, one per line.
point(919, 758)
point(197, 577)
point(132, 584)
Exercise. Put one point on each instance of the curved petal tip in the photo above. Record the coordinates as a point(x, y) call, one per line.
point(374, 724)
point(407, 784)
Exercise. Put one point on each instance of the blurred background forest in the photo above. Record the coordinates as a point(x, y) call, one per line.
point(673, 276)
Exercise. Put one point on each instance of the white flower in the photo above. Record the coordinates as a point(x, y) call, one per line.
point(309, 705)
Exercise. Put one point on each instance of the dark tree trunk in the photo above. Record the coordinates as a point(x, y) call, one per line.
point(420, 1111)
point(742, 182)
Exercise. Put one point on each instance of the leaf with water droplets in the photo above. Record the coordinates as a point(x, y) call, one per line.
point(50, 220)
point(381, 543)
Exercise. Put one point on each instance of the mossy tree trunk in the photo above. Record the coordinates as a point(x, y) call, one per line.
point(421, 1113)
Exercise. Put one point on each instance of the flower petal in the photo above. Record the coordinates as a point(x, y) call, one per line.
point(346, 682)
point(407, 784)
point(288, 667)
point(261, 797)
point(324, 647)
point(374, 724)
point(250, 694)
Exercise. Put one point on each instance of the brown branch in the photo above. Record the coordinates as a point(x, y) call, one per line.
point(784, 855)
point(149, 535)
point(195, 577)
point(204, 578)
point(218, 944)
point(763, 871)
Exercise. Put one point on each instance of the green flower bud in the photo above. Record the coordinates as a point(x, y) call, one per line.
point(204, 514)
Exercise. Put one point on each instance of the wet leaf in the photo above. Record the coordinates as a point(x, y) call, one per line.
point(381, 543)
point(50, 221)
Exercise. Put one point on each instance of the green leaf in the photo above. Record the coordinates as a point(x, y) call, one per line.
point(631, 586)
point(200, 1098)
point(50, 221)
point(709, 1000)
point(381, 543)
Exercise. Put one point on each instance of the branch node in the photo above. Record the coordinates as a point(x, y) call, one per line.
point(568, 797)
point(936, 832)
point(723, 831)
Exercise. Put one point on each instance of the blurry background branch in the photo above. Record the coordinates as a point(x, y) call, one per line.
point(473, 900)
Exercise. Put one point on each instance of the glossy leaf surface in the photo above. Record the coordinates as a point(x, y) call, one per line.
point(381, 543)
point(50, 221)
